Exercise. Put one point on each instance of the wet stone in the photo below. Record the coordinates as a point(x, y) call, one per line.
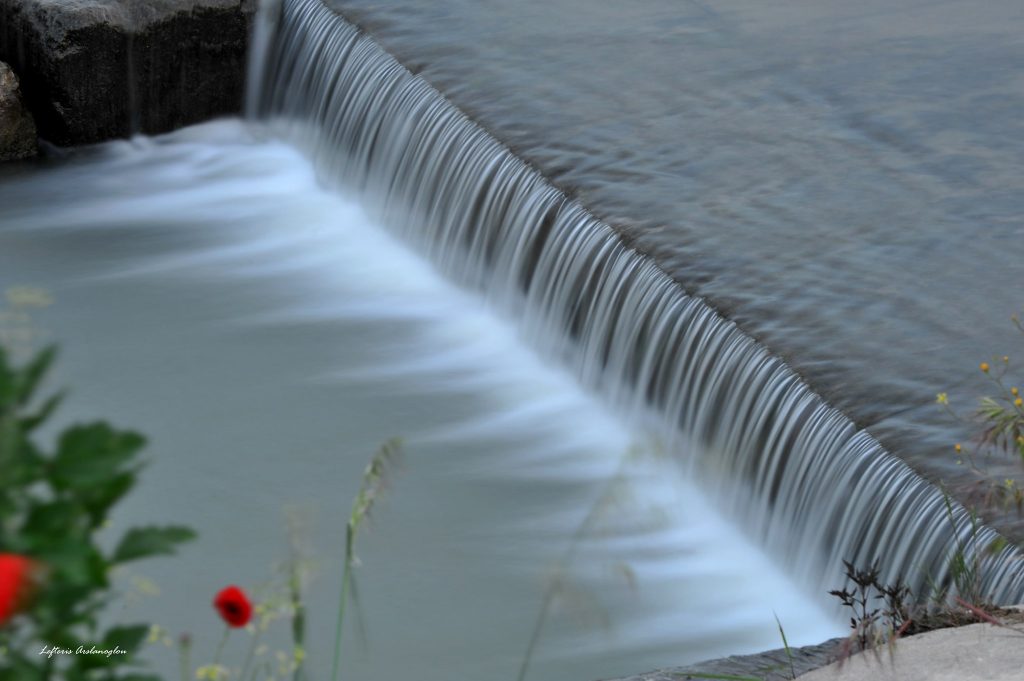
point(100, 69)
point(17, 130)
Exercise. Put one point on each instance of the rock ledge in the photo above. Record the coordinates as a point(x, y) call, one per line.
point(17, 129)
point(98, 69)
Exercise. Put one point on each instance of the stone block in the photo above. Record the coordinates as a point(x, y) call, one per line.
point(99, 69)
point(17, 130)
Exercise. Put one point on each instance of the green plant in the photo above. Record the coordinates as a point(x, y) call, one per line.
point(280, 598)
point(1001, 419)
point(785, 645)
point(374, 481)
point(53, 507)
point(296, 571)
point(55, 565)
point(965, 563)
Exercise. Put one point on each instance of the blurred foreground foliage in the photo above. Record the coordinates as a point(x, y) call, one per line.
point(54, 503)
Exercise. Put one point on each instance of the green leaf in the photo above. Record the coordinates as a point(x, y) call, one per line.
point(75, 562)
point(142, 542)
point(22, 464)
point(28, 378)
point(785, 644)
point(98, 500)
point(128, 638)
point(10, 440)
point(32, 421)
point(53, 522)
point(66, 608)
point(90, 454)
point(8, 383)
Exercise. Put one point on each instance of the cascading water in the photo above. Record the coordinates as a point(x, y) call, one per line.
point(795, 473)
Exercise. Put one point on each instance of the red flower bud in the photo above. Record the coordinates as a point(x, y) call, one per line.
point(234, 606)
point(16, 584)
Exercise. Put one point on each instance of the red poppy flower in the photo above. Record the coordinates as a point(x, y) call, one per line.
point(234, 606)
point(15, 584)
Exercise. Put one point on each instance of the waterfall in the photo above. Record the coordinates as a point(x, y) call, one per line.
point(791, 470)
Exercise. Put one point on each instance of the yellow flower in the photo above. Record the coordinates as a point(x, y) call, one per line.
point(1018, 403)
point(942, 398)
point(984, 367)
point(1006, 359)
point(957, 447)
point(1014, 391)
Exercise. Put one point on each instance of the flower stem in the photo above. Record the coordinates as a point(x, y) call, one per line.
point(220, 648)
point(252, 653)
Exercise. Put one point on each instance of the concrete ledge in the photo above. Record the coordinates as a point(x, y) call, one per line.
point(977, 652)
point(955, 651)
point(772, 665)
point(97, 69)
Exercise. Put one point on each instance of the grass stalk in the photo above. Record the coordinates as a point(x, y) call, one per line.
point(552, 587)
point(298, 622)
point(184, 657)
point(220, 651)
point(374, 481)
point(785, 644)
point(346, 579)
point(251, 655)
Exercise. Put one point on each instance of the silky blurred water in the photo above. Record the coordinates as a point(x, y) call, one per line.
point(844, 180)
point(267, 337)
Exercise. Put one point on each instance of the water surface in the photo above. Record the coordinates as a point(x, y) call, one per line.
point(267, 336)
point(845, 181)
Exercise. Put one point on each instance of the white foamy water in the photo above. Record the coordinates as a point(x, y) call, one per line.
point(267, 336)
point(795, 472)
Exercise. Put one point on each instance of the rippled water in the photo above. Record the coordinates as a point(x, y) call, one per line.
point(267, 336)
point(843, 180)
